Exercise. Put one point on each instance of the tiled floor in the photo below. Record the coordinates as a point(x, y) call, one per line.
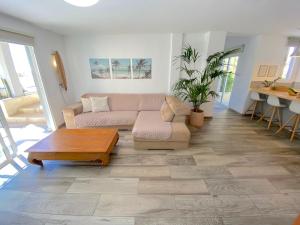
point(235, 173)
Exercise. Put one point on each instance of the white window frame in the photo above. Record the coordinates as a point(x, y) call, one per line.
point(8, 155)
point(289, 74)
point(227, 68)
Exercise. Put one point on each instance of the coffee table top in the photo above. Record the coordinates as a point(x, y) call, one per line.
point(77, 140)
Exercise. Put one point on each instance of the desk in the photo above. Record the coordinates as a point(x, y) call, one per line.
point(286, 116)
point(280, 94)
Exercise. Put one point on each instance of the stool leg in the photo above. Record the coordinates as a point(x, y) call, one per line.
point(279, 117)
point(255, 104)
point(264, 114)
point(271, 119)
point(284, 125)
point(250, 106)
point(295, 127)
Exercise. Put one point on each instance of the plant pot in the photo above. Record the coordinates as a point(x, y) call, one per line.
point(197, 119)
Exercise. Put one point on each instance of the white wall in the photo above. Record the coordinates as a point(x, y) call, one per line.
point(296, 73)
point(162, 48)
point(270, 50)
point(45, 42)
point(80, 48)
point(214, 42)
point(245, 68)
point(176, 43)
point(261, 49)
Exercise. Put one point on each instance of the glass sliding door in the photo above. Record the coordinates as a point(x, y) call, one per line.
point(226, 83)
point(25, 116)
point(25, 108)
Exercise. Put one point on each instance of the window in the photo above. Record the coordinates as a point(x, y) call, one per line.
point(22, 67)
point(226, 83)
point(289, 64)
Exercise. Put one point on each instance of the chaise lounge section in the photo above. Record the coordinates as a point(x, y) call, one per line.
point(140, 113)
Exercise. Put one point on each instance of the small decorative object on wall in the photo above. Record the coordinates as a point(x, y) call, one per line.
point(263, 71)
point(272, 71)
point(100, 68)
point(59, 68)
point(121, 68)
point(141, 68)
point(267, 71)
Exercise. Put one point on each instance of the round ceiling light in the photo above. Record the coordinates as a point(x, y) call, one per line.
point(82, 3)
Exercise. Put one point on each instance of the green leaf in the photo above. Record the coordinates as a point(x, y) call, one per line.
point(196, 88)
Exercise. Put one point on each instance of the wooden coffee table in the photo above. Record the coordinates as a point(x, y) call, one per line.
point(75, 144)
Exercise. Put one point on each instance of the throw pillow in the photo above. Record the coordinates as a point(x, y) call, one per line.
point(87, 104)
point(100, 104)
point(177, 106)
point(166, 112)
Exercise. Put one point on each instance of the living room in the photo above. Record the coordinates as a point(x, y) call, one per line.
point(154, 112)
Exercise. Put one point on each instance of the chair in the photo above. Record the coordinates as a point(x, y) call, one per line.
point(256, 99)
point(295, 109)
point(275, 104)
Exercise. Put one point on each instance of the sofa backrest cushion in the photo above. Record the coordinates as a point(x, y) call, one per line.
point(119, 102)
point(131, 102)
point(151, 102)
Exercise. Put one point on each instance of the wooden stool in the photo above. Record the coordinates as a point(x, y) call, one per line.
point(275, 104)
point(295, 109)
point(256, 99)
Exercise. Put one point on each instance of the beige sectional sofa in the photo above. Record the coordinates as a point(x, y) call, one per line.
point(140, 113)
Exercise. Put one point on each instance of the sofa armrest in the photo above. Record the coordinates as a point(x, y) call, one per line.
point(70, 112)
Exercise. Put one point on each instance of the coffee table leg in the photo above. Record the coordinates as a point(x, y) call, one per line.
point(105, 160)
point(34, 161)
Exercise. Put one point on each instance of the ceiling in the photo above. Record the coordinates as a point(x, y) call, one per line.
point(148, 16)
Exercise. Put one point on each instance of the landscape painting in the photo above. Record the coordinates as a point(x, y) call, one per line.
point(100, 68)
point(121, 68)
point(142, 68)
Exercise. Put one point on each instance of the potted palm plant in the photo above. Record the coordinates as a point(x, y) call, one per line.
point(196, 87)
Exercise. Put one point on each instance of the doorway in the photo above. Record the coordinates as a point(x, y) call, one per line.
point(23, 119)
point(225, 84)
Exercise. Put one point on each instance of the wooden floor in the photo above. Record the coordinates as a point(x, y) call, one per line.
point(235, 173)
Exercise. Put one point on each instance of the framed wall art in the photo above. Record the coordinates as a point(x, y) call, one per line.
point(141, 68)
point(100, 68)
point(121, 68)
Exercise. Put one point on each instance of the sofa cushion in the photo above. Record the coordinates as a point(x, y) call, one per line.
point(86, 104)
point(151, 102)
point(166, 112)
point(149, 125)
point(177, 106)
point(100, 104)
point(104, 119)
